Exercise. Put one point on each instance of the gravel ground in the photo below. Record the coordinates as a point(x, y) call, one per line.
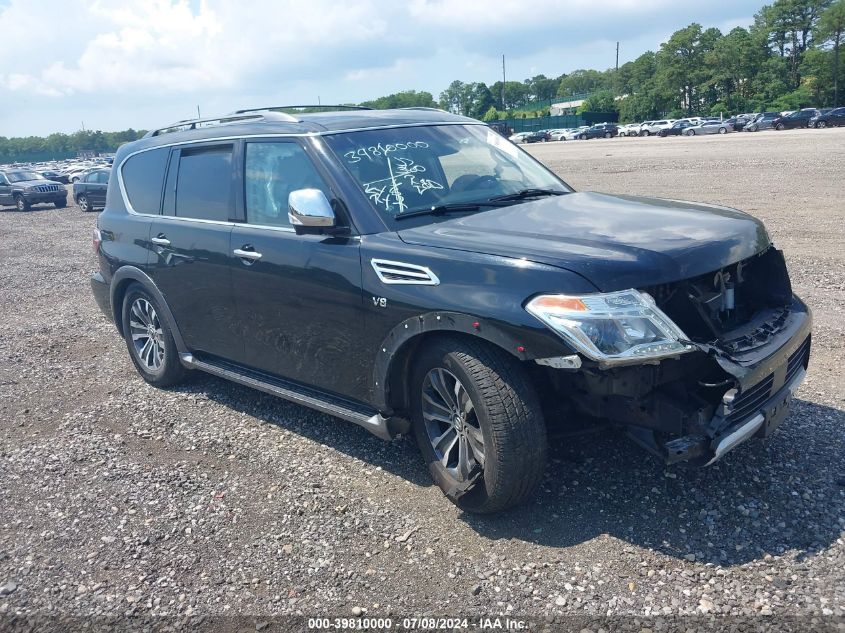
point(123, 500)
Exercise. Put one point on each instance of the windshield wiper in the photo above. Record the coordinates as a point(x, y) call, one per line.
point(440, 209)
point(528, 193)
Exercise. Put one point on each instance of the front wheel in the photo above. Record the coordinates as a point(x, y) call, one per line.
point(479, 425)
point(21, 204)
point(822, 124)
point(149, 339)
point(608, 135)
point(723, 130)
point(83, 203)
point(645, 133)
point(780, 127)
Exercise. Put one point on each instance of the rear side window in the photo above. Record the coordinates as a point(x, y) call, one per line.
point(204, 183)
point(143, 179)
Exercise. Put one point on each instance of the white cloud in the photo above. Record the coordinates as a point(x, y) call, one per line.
point(118, 61)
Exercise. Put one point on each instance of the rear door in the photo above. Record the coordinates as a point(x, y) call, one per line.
point(5, 190)
point(190, 244)
point(299, 296)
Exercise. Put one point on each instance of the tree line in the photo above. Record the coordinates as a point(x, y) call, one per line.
point(789, 58)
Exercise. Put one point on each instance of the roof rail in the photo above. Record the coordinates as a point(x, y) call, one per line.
point(193, 124)
point(297, 107)
point(425, 108)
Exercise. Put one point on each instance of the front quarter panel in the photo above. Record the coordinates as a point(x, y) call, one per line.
point(477, 294)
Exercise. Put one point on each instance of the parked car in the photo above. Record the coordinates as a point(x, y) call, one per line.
point(631, 129)
point(737, 123)
point(418, 289)
point(517, 138)
point(709, 127)
point(833, 118)
point(89, 191)
point(798, 119)
point(762, 121)
point(602, 130)
point(676, 129)
point(24, 188)
point(656, 126)
point(575, 133)
point(52, 175)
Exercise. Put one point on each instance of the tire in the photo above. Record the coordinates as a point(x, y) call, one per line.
point(74, 179)
point(21, 203)
point(723, 130)
point(645, 133)
point(608, 135)
point(155, 357)
point(780, 127)
point(821, 124)
point(83, 203)
point(691, 133)
point(505, 414)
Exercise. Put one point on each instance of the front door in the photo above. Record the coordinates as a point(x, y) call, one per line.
point(190, 242)
point(97, 185)
point(298, 296)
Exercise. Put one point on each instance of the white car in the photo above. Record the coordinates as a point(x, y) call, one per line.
point(518, 137)
point(656, 126)
point(558, 135)
point(631, 129)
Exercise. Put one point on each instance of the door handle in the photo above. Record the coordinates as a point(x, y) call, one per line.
point(160, 240)
point(244, 254)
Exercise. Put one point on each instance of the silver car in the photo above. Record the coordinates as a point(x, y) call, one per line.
point(762, 121)
point(709, 127)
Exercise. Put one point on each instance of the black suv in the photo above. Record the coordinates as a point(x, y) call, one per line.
point(602, 130)
point(24, 187)
point(412, 271)
point(89, 192)
point(798, 119)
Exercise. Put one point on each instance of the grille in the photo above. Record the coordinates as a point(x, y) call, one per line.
point(47, 188)
point(390, 272)
point(749, 401)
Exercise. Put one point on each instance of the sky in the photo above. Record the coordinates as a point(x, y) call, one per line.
point(115, 64)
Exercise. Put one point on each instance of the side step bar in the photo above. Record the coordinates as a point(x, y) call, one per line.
point(371, 420)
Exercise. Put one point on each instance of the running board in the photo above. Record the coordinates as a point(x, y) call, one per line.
point(370, 419)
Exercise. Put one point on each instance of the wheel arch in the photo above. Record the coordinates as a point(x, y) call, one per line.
point(397, 351)
point(120, 282)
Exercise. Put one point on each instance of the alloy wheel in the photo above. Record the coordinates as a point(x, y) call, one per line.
point(451, 424)
point(147, 335)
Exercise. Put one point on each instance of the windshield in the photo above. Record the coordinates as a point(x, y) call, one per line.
point(22, 176)
point(409, 169)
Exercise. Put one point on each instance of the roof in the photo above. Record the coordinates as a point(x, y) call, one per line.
point(260, 122)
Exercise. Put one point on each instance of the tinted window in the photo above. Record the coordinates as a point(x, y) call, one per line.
point(143, 175)
point(92, 177)
point(272, 171)
point(103, 177)
point(204, 183)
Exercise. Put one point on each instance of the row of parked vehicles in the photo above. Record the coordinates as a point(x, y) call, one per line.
point(693, 126)
point(25, 185)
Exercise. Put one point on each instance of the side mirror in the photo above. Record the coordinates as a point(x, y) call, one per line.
point(309, 211)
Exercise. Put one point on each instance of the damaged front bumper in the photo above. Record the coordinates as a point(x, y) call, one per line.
point(703, 404)
point(762, 379)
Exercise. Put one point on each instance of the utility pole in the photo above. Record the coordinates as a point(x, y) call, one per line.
point(318, 100)
point(83, 126)
point(503, 82)
point(199, 116)
point(617, 56)
point(616, 74)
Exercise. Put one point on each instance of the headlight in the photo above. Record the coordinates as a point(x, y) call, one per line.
point(616, 327)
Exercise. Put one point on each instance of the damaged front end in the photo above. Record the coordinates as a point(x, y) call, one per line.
point(751, 340)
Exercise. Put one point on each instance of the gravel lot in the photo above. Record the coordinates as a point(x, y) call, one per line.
point(120, 499)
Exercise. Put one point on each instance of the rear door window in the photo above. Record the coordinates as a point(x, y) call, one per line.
point(204, 183)
point(143, 179)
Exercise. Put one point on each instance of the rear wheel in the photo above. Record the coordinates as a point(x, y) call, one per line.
point(822, 124)
point(608, 135)
point(780, 126)
point(479, 425)
point(645, 133)
point(723, 130)
point(149, 339)
point(21, 204)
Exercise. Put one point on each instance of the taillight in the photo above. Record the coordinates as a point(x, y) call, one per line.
point(96, 240)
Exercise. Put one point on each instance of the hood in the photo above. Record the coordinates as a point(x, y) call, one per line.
point(616, 242)
point(23, 184)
